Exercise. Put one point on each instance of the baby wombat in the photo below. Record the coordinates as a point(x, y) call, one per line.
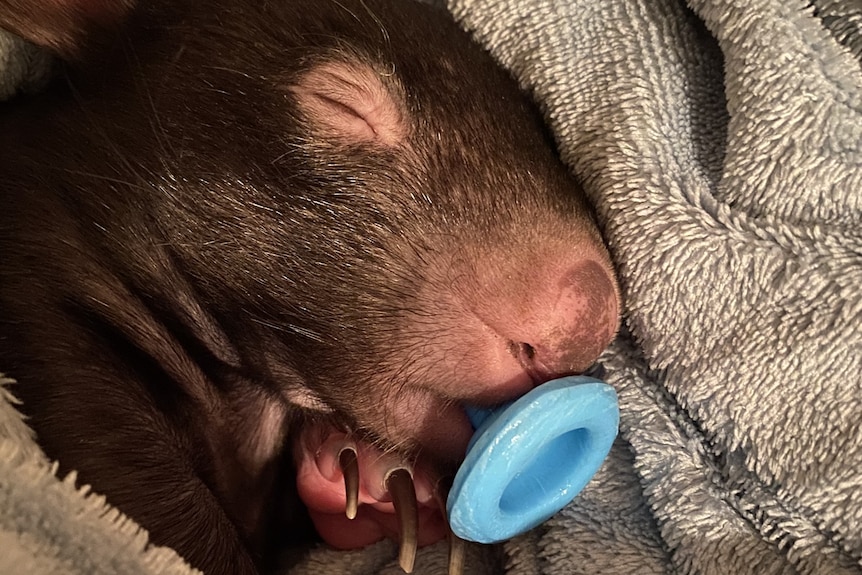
point(248, 248)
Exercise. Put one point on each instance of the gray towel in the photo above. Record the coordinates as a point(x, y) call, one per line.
point(722, 146)
point(50, 527)
point(23, 67)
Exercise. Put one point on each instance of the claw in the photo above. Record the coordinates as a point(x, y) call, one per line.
point(457, 551)
point(399, 483)
point(350, 469)
point(457, 546)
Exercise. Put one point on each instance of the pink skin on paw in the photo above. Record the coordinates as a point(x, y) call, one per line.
point(320, 483)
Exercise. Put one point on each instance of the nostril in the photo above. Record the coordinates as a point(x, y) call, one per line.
point(526, 356)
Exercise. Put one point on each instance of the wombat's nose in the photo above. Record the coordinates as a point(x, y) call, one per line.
point(570, 324)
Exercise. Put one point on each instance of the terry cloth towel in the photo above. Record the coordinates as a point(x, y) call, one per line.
point(721, 143)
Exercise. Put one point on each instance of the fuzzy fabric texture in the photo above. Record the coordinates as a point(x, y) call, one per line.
point(48, 526)
point(721, 143)
point(23, 67)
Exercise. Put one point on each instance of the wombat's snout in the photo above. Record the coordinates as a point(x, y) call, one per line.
point(570, 324)
point(535, 317)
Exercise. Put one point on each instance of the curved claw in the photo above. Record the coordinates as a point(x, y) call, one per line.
point(457, 546)
point(457, 552)
point(349, 465)
point(399, 483)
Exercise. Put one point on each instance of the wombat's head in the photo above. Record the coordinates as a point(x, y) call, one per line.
point(361, 188)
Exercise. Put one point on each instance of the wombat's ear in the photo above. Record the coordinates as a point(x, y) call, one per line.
point(65, 27)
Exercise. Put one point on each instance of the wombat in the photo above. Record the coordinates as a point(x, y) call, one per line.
point(242, 240)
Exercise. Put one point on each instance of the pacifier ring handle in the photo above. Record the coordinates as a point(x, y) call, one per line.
point(530, 458)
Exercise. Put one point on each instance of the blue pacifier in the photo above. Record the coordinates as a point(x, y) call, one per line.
point(529, 458)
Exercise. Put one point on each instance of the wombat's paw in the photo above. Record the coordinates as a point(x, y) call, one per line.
point(357, 495)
